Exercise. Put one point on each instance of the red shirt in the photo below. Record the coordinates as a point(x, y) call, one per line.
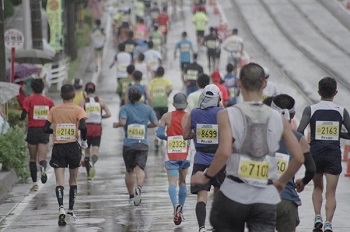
point(162, 20)
point(37, 107)
point(224, 92)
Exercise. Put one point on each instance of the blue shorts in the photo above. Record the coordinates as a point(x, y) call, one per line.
point(176, 164)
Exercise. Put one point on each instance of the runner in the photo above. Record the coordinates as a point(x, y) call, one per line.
point(155, 12)
point(153, 58)
point(37, 108)
point(66, 119)
point(202, 127)
point(134, 118)
point(137, 81)
point(212, 42)
point(234, 46)
point(192, 99)
point(225, 96)
point(185, 47)
point(79, 93)
point(163, 22)
point(93, 106)
point(270, 90)
point(326, 120)
point(157, 38)
point(130, 44)
point(177, 150)
point(122, 60)
point(287, 210)
point(231, 84)
point(141, 66)
point(200, 21)
point(192, 71)
point(139, 10)
point(247, 195)
point(98, 38)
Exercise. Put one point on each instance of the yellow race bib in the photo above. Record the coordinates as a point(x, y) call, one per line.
point(327, 130)
point(176, 144)
point(207, 134)
point(136, 131)
point(65, 131)
point(40, 112)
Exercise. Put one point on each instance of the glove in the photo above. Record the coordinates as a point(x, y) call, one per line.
point(84, 144)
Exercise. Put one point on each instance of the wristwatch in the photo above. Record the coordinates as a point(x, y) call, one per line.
point(206, 175)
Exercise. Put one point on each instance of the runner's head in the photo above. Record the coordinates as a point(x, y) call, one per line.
point(211, 30)
point(130, 69)
point(267, 72)
point(203, 80)
point(137, 75)
point(195, 57)
point(37, 85)
point(215, 76)
point(141, 57)
point(77, 83)
point(150, 44)
point(121, 47)
point(284, 104)
point(155, 27)
point(90, 87)
point(131, 34)
point(252, 78)
point(67, 92)
point(98, 22)
point(134, 94)
point(230, 68)
point(160, 71)
point(210, 97)
point(235, 31)
point(184, 34)
point(327, 87)
point(180, 101)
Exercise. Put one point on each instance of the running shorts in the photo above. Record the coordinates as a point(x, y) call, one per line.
point(36, 135)
point(66, 155)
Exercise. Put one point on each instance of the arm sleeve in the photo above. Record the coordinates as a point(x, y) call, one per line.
point(23, 115)
point(346, 123)
point(310, 168)
point(82, 128)
point(160, 133)
point(47, 128)
point(305, 119)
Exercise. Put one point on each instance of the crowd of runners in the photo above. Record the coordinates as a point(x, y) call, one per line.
point(245, 150)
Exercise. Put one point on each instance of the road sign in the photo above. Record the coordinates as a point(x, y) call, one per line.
point(14, 38)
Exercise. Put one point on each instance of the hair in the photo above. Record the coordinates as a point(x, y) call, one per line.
point(67, 92)
point(37, 85)
point(130, 69)
point(155, 27)
point(134, 94)
point(284, 101)
point(195, 56)
point(211, 29)
point(267, 101)
point(137, 75)
point(160, 71)
point(327, 87)
point(203, 80)
point(98, 22)
point(252, 77)
point(230, 68)
point(235, 31)
point(184, 34)
point(150, 44)
point(141, 57)
point(121, 47)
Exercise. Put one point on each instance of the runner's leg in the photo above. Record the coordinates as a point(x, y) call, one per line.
point(331, 203)
point(317, 193)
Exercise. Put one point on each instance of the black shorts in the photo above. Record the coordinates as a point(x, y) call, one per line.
point(36, 135)
point(216, 181)
point(328, 163)
point(66, 155)
point(160, 111)
point(200, 33)
point(135, 155)
point(95, 141)
point(183, 65)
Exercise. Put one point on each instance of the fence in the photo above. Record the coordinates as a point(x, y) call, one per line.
point(57, 72)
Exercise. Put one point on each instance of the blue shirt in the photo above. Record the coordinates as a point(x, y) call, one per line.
point(143, 91)
point(231, 84)
point(137, 116)
point(205, 138)
point(185, 50)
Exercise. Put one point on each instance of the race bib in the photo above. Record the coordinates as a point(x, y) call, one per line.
point(129, 48)
point(65, 131)
point(176, 144)
point(327, 130)
point(282, 163)
point(154, 14)
point(152, 64)
point(122, 68)
point(40, 112)
point(158, 91)
point(156, 41)
point(185, 47)
point(93, 108)
point(136, 131)
point(211, 44)
point(251, 170)
point(207, 134)
point(232, 92)
point(192, 75)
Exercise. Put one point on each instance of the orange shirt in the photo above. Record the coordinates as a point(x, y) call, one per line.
point(65, 120)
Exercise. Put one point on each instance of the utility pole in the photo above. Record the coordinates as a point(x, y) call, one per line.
point(37, 31)
point(2, 44)
point(27, 25)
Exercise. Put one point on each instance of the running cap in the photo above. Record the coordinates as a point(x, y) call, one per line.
point(210, 97)
point(77, 83)
point(90, 87)
point(215, 76)
point(180, 101)
point(267, 72)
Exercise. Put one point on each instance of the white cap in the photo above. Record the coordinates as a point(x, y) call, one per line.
point(211, 91)
point(267, 72)
point(210, 97)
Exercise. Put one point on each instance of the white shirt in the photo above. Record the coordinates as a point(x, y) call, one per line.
point(233, 43)
point(192, 99)
point(142, 67)
point(4, 126)
point(152, 58)
point(123, 60)
point(270, 90)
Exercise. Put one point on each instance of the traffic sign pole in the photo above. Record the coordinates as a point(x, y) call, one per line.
point(13, 39)
point(13, 52)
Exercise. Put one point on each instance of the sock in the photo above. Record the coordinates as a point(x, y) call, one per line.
point(33, 170)
point(59, 195)
point(43, 163)
point(182, 195)
point(172, 194)
point(94, 158)
point(87, 164)
point(201, 213)
point(131, 196)
point(72, 195)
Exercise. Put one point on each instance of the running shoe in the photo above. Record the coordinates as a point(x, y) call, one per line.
point(202, 229)
point(131, 201)
point(327, 227)
point(137, 198)
point(318, 223)
point(71, 215)
point(35, 188)
point(177, 215)
point(43, 175)
point(92, 172)
point(62, 217)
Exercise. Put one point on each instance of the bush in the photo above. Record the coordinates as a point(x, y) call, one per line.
point(8, 11)
point(13, 151)
point(16, 2)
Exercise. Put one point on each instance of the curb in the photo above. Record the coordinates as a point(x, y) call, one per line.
point(7, 180)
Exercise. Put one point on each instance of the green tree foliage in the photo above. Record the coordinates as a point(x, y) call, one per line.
point(8, 11)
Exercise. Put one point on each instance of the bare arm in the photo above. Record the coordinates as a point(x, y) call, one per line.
point(105, 108)
point(188, 133)
point(121, 123)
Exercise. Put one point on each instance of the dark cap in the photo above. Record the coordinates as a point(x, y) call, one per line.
point(90, 87)
point(180, 101)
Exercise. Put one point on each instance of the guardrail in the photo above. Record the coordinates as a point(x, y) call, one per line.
point(57, 72)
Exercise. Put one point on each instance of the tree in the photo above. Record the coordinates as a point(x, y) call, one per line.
point(37, 31)
point(72, 48)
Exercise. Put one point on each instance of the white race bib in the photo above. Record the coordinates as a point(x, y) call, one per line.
point(327, 130)
point(282, 163)
point(40, 112)
point(136, 131)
